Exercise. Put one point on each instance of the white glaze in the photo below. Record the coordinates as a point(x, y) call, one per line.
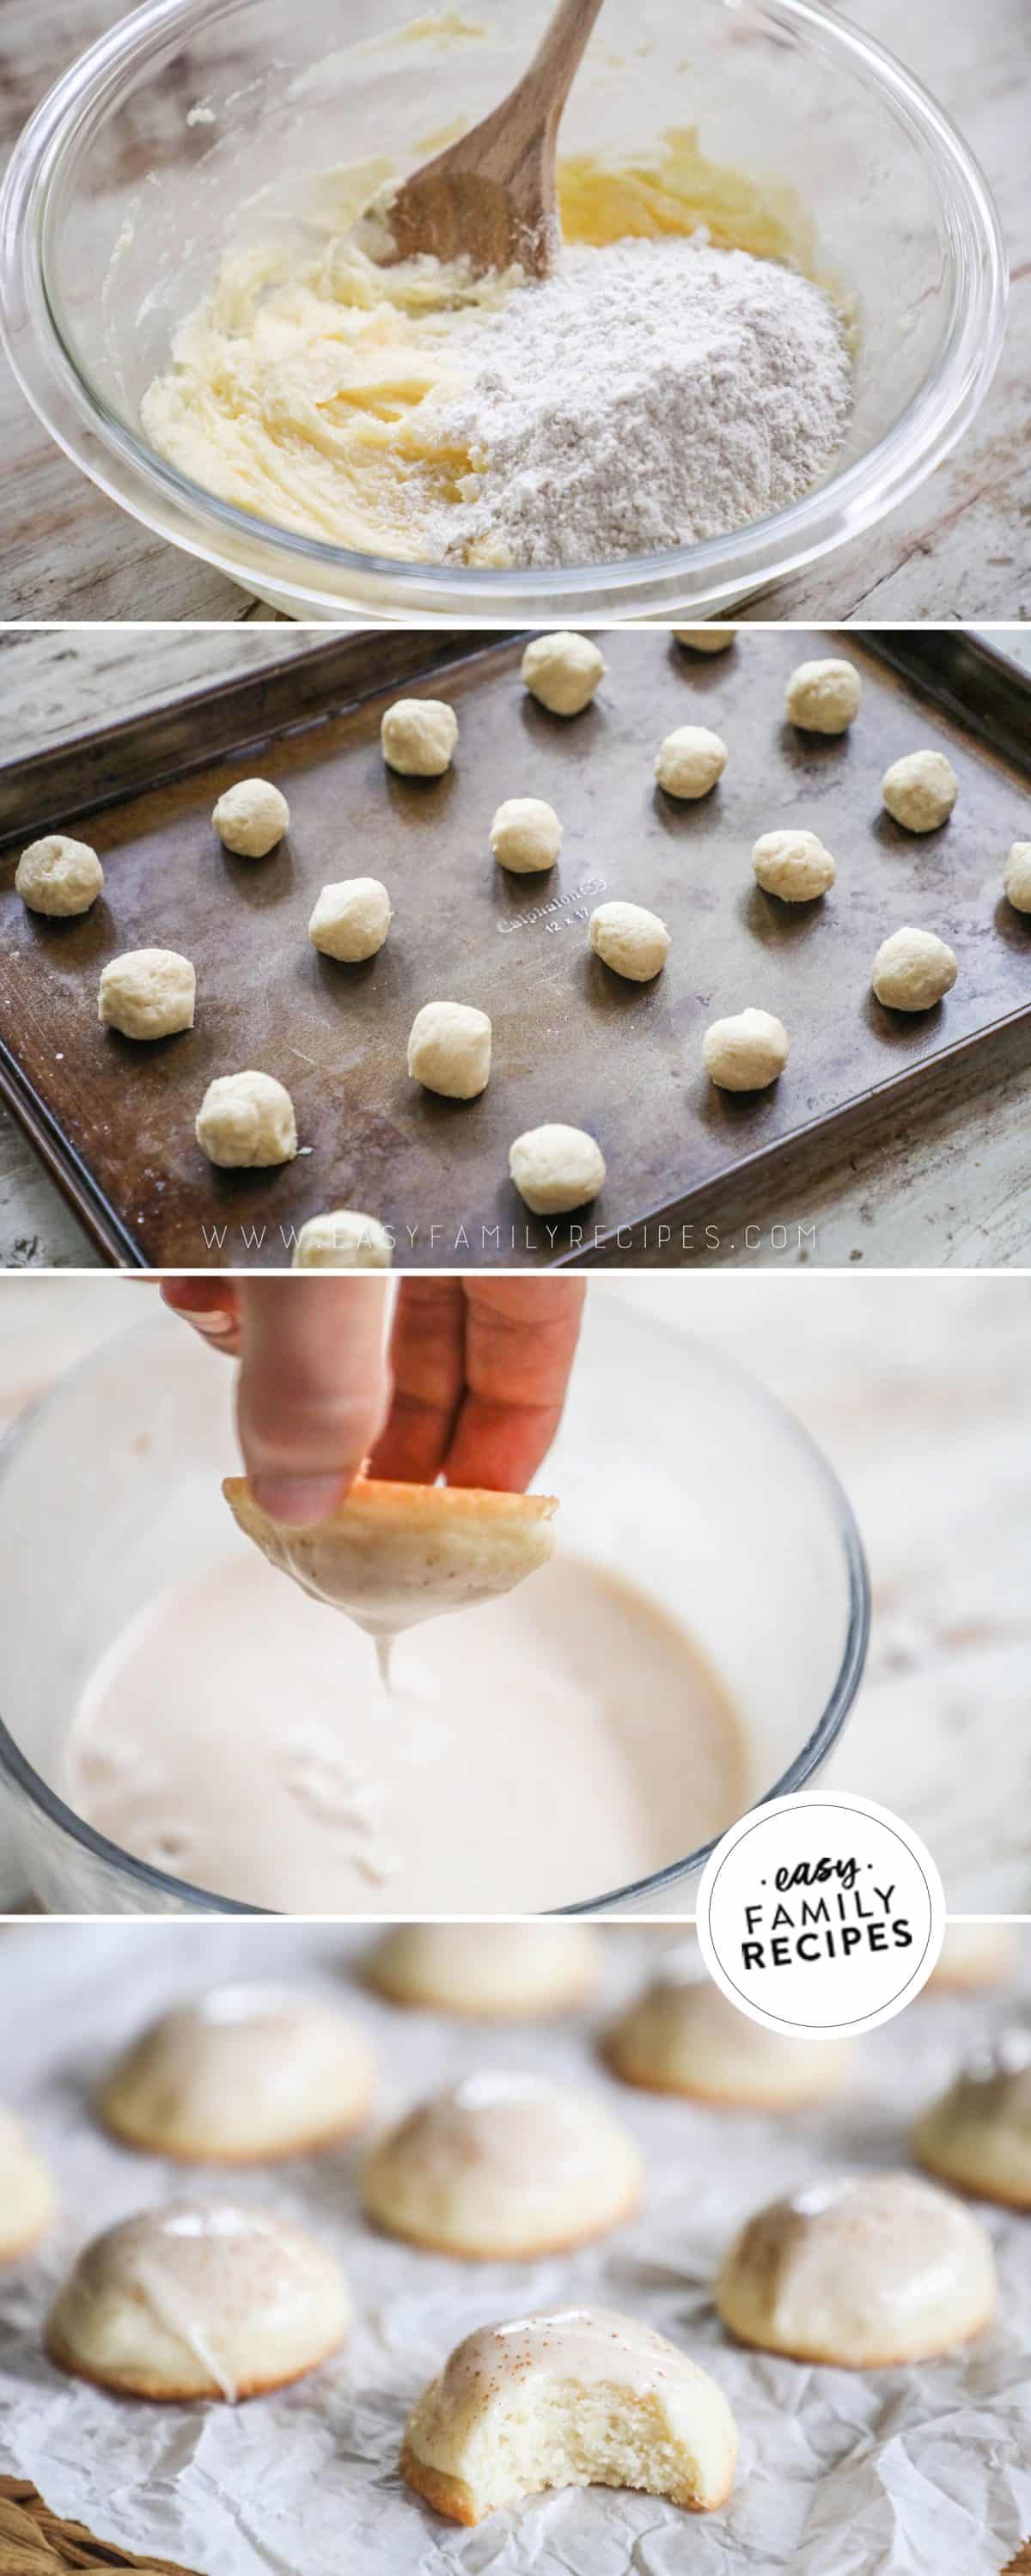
point(530, 1752)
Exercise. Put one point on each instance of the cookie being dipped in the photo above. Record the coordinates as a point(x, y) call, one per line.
point(392, 1555)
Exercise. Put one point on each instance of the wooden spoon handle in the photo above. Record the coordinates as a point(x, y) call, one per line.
point(491, 197)
point(547, 80)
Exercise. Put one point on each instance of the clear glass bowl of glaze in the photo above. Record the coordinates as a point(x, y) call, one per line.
point(130, 178)
point(673, 1468)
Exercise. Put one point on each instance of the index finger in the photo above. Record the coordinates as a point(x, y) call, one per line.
point(312, 1391)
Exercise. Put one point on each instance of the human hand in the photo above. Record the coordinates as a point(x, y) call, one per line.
point(473, 1387)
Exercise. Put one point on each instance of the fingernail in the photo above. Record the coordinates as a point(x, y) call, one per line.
point(214, 1321)
point(302, 1501)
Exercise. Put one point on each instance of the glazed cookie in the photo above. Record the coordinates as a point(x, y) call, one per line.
point(974, 1955)
point(913, 970)
point(746, 1052)
point(58, 876)
point(690, 761)
point(500, 1971)
point(28, 2201)
point(921, 790)
point(562, 672)
point(246, 2074)
point(148, 993)
point(793, 865)
point(633, 942)
point(449, 1049)
point(418, 737)
point(503, 2165)
point(823, 697)
point(859, 2273)
point(351, 920)
point(682, 2035)
point(199, 2299)
point(556, 1168)
point(391, 1555)
point(526, 835)
point(251, 817)
point(978, 2135)
point(581, 2398)
point(246, 1122)
point(343, 1239)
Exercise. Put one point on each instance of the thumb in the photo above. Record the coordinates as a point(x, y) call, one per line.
point(313, 1389)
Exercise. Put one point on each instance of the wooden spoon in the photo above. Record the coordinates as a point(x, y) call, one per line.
point(491, 198)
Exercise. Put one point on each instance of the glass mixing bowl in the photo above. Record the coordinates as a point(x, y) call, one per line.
point(130, 179)
point(673, 1469)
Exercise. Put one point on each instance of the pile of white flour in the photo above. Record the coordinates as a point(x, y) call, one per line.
point(648, 395)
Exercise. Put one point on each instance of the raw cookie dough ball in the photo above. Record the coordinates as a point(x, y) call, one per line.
point(921, 790)
point(582, 2398)
point(199, 2299)
point(823, 697)
point(246, 1122)
point(973, 1955)
point(682, 2035)
point(562, 672)
point(978, 2134)
point(351, 919)
point(505, 2165)
point(1016, 876)
point(449, 1049)
point(706, 639)
point(746, 1052)
point(556, 1168)
point(860, 2273)
point(793, 865)
point(251, 817)
point(690, 761)
point(244, 2074)
point(526, 835)
point(510, 1971)
point(148, 993)
point(418, 736)
point(912, 970)
point(28, 2201)
point(58, 876)
point(635, 943)
point(343, 1239)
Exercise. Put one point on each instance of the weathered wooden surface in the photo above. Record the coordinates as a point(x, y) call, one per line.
point(960, 548)
point(949, 1189)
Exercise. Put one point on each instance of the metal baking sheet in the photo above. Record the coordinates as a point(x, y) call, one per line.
point(114, 1121)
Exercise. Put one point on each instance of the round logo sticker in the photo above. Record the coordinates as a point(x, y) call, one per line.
point(821, 1914)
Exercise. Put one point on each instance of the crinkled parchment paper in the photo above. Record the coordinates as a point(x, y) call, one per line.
point(923, 2472)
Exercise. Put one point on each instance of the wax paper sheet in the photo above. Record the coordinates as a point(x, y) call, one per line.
point(917, 2472)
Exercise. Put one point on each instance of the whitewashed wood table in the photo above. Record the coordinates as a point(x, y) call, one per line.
point(948, 1188)
point(961, 547)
